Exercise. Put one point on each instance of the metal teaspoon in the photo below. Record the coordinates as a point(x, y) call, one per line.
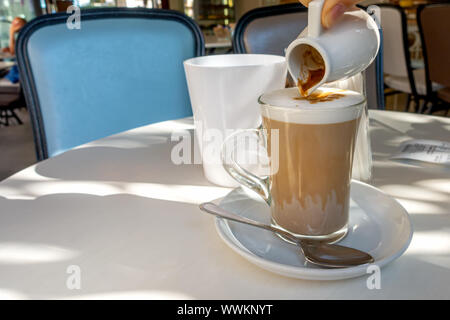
point(318, 253)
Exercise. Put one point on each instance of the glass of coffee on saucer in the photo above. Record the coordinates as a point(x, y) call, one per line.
point(310, 144)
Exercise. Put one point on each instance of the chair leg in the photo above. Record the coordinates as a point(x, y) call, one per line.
point(417, 105)
point(6, 118)
point(6, 115)
point(430, 108)
point(425, 109)
point(408, 102)
point(439, 105)
point(422, 106)
point(15, 116)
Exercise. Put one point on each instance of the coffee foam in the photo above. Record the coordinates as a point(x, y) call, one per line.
point(284, 105)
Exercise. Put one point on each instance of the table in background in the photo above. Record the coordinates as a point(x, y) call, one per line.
point(6, 56)
point(120, 211)
point(212, 43)
point(6, 64)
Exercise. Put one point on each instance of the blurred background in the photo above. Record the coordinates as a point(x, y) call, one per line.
point(207, 13)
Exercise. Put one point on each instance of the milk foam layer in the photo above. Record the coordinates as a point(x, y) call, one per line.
point(283, 105)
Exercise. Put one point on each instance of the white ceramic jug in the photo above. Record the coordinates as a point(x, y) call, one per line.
point(347, 48)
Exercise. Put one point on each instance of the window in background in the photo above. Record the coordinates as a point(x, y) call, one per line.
point(214, 12)
point(189, 8)
point(61, 5)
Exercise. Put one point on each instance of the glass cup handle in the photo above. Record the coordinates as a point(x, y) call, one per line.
point(258, 184)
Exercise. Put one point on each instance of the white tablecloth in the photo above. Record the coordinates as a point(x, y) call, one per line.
point(123, 219)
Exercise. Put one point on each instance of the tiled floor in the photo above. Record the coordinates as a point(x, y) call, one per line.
point(17, 147)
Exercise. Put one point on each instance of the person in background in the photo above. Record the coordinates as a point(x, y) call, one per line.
point(333, 10)
point(17, 24)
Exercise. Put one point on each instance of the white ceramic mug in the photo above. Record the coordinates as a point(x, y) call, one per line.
point(224, 91)
point(347, 48)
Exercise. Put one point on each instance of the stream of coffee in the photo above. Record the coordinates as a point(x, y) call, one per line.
point(312, 70)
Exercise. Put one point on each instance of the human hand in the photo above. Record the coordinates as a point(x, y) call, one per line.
point(17, 24)
point(333, 10)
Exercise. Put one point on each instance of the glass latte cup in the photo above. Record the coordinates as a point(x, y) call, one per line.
point(310, 146)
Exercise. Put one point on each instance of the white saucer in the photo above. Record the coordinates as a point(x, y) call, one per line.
point(378, 225)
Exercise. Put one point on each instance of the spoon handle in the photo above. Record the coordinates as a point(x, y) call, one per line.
point(218, 211)
point(321, 254)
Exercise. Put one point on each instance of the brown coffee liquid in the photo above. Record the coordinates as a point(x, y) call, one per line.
point(314, 65)
point(310, 191)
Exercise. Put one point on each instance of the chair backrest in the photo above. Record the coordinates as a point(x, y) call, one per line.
point(396, 55)
point(392, 22)
point(434, 25)
point(122, 69)
point(374, 74)
point(269, 30)
point(374, 81)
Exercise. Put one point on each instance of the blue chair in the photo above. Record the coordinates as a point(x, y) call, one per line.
point(122, 69)
point(374, 74)
point(270, 30)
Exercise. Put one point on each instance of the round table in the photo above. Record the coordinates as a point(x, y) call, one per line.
point(212, 43)
point(115, 218)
